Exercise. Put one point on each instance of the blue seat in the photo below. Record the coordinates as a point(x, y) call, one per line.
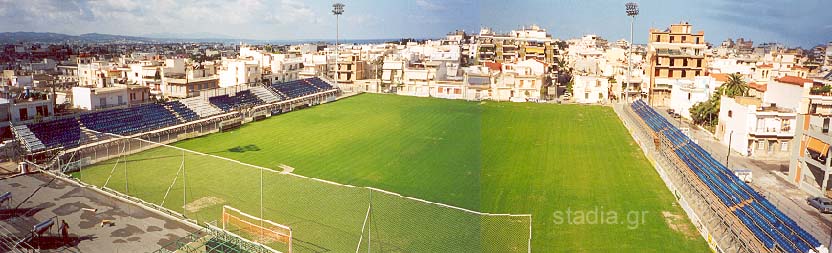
point(764, 220)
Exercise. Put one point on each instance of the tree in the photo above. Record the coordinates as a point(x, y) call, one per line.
point(706, 113)
point(822, 90)
point(735, 86)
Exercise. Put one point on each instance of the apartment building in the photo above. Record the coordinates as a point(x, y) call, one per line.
point(755, 129)
point(809, 166)
point(590, 89)
point(524, 44)
point(350, 68)
point(192, 82)
point(676, 53)
point(238, 71)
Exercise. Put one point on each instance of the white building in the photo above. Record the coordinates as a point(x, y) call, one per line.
point(236, 72)
point(590, 89)
point(93, 98)
point(685, 93)
point(755, 129)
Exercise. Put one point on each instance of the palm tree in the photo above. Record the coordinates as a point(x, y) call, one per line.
point(735, 86)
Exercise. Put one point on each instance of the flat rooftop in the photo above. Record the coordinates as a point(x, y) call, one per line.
point(134, 228)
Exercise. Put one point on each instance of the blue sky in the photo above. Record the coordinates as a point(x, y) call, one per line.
point(794, 22)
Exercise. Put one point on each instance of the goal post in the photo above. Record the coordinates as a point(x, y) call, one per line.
point(264, 231)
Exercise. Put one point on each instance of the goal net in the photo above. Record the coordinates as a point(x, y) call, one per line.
point(262, 230)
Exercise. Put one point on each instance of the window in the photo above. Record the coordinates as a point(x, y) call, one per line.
point(730, 113)
point(120, 100)
point(685, 62)
point(684, 73)
point(688, 96)
point(600, 96)
point(672, 38)
point(658, 38)
point(784, 146)
point(655, 72)
point(825, 128)
point(684, 38)
point(697, 40)
point(761, 145)
point(24, 114)
point(586, 95)
point(102, 102)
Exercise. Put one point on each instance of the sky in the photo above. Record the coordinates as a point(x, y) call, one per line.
point(792, 22)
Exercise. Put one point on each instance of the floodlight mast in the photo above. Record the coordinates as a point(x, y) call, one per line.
point(337, 10)
point(632, 11)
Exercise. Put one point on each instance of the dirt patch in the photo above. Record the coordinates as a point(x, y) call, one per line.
point(203, 202)
point(679, 224)
point(286, 169)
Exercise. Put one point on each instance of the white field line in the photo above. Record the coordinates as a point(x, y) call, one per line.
point(320, 180)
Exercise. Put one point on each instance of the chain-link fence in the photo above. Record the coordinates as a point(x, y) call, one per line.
point(324, 216)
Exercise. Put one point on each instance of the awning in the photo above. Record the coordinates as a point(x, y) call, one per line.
point(818, 146)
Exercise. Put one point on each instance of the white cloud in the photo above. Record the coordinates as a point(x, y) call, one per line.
point(428, 5)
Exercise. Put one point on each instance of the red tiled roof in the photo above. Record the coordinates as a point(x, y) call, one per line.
point(799, 81)
point(720, 77)
point(759, 87)
point(494, 66)
point(766, 66)
point(799, 68)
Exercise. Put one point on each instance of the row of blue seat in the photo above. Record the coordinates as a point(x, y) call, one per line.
point(768, 223)
point(64, 133)
point(297, 88)
point(240, 99)
point(186, 113)
point(130, 120)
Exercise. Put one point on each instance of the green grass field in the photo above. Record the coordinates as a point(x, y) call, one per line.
point(520, 158)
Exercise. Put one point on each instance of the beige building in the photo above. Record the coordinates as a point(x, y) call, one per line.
point(674, 54)
point(350, 69)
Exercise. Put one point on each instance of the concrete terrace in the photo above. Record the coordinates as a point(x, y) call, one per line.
point(134, 229)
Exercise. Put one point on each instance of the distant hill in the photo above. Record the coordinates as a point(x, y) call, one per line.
point(56, 38)
point(49, 38)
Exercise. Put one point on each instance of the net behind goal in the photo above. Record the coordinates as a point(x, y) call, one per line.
point(261, 230)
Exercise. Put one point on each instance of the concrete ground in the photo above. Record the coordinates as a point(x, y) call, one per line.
point(38, 197)
point(769, 178)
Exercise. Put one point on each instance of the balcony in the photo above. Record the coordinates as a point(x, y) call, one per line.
point(771, 132)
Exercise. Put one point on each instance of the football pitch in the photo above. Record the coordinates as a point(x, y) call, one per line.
point(574, 168)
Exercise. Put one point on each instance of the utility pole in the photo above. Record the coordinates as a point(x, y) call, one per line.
point(632, 11)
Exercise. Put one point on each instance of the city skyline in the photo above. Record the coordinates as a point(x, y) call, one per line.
point(770, 20)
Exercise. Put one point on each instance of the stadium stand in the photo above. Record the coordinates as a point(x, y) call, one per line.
point(771, 226)
point(29, 140)
point(67, 132)
point(200, 106)
point(185, 113)
point(131, 120)
point(241, 99)
point(265, 94)
point(319, 83)
point(64, 133)
point(295, 89)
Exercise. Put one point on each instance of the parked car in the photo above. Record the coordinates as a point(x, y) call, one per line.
point(676, 115)
point(824, 205)
point(670, 111)
point(743, 174)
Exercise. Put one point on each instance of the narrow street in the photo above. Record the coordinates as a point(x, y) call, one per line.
point(769, 178)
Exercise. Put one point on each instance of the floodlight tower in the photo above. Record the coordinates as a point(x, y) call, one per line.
point(337, 10)
point(632, 11)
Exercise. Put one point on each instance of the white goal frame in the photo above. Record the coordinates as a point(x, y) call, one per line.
point(265, 227)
